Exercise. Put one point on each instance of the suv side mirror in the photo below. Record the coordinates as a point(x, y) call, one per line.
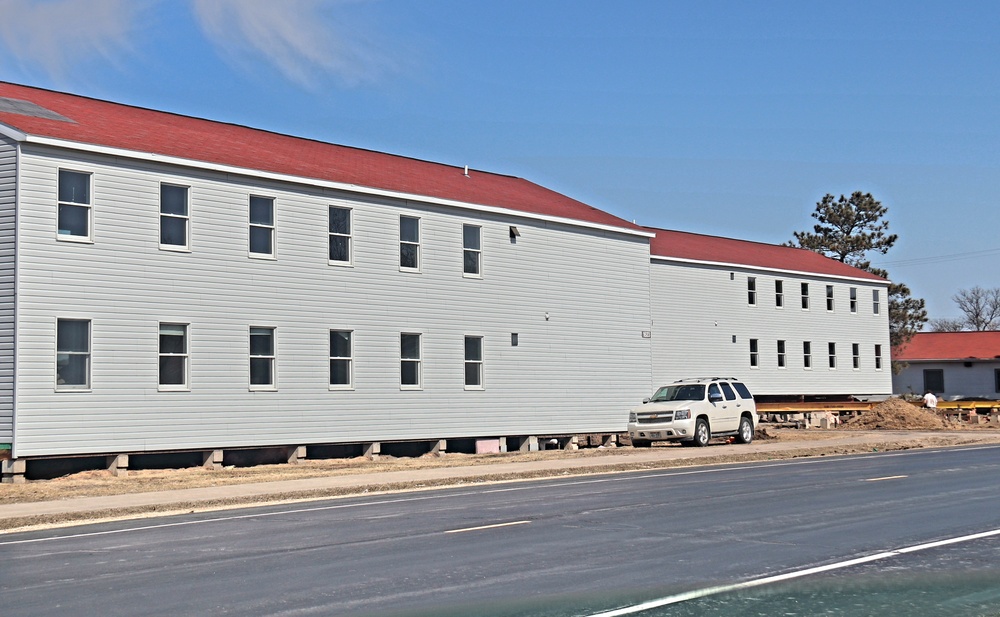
point(714, 397)
point(645, 400)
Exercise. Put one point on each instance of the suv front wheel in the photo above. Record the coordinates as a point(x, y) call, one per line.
point(701, 433)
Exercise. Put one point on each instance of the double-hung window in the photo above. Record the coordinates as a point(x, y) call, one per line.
point(409, 361)
point(856, 355)
point(781, 354)
point(261, 226)
point(340, 235)
point(878, 358)
point(875, 302)
point(805, 296)
point(832, 352)
point(829, 297)
point(409, 243)
point(473, 363)
point(74, 205)
point(472, 257)
point(72, 354)
point(752, 291)
point(754, 353)
point(779, 294)
point(173, 356)
point(341, 359)
point(807, 354)
point(854, 299)
point(262, 358)
point(174, 216)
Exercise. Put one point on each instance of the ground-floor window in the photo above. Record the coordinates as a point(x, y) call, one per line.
point(262, 358)
point(341, 359)
point(72, 354)
point(173, 356)
point(934, 380)
point(409, 360)
point(474, 362)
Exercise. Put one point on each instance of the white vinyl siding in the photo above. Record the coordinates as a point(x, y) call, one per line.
point(591, 345)
point(8, 192)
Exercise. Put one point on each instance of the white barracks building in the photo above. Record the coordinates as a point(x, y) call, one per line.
point(169, 283)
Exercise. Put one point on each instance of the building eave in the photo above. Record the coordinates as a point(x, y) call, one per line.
point(723, 264)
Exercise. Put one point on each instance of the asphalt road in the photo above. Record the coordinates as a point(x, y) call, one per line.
point(577, 546)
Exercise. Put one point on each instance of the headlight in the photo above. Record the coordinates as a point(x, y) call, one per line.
point(682, 414)
point(632, 417)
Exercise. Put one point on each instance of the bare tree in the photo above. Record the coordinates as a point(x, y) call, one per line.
point(980, 306)
point(946, 325)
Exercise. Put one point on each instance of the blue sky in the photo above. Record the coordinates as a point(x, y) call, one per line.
point(726, 118)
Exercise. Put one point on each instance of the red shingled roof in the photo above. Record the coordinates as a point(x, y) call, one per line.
point(114, 125)
point(697, 247)
point(950, 346)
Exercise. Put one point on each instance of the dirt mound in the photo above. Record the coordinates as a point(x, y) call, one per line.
point(896, 414)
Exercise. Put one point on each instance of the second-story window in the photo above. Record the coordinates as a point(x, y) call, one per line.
point(854, 299)
point(805, 296)
point(409, 243)
point(472, 250)
point(829, 297)
point(779, 294)
point(751, 291)
point(261, 226)
point(875, 302)
point(174, 217)
point(340, 235)
point(74, 205)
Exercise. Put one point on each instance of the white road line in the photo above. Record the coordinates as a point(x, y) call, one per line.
point(611, 477)
point(884, 478)
point(767, 580)
point(494, 526)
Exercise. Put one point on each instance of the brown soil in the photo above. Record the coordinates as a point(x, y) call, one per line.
point(897, 414)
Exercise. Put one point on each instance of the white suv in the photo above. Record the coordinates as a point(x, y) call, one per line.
point(693, 411)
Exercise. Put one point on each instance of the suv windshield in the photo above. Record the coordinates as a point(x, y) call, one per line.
point(694, 392)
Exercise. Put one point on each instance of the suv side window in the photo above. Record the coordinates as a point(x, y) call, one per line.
point(730, 395)
point(742, 390)
point(713, 389)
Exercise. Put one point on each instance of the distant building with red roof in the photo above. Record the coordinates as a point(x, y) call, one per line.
point(953, 365)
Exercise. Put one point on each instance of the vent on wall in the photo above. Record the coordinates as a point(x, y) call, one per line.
point(27, 108)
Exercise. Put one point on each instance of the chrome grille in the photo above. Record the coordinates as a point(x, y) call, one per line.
point(656, 418)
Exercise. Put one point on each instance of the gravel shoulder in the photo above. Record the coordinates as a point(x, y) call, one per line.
point(98, 496)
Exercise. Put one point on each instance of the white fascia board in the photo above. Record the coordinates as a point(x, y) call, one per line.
point(11, 132)
point(354, 188)
point(723, 264)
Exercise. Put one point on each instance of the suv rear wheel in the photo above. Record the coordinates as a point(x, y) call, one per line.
point(745, 434)
point(701, 433)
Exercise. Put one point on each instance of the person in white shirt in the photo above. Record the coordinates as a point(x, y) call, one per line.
point(930, 401)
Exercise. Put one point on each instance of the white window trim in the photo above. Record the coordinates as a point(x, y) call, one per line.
point(273, 386)
point(831, 294)
point(419, 361)
point(779, 294)
point(852, 300)
point(751, 291)
point(420, 259)
point(349, 235)
point(178, 248)
point(350, 372)
point(478, 251)
point(273, 255)
point(481, 362)
point(186, 386)
point(804, 297)
point(90, 357)
point(89, 238)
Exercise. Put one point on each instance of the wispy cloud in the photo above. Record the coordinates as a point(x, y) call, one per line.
point(298, 37)
point(58, 34)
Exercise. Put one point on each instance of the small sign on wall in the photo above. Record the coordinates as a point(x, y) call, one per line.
point(647, 334)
